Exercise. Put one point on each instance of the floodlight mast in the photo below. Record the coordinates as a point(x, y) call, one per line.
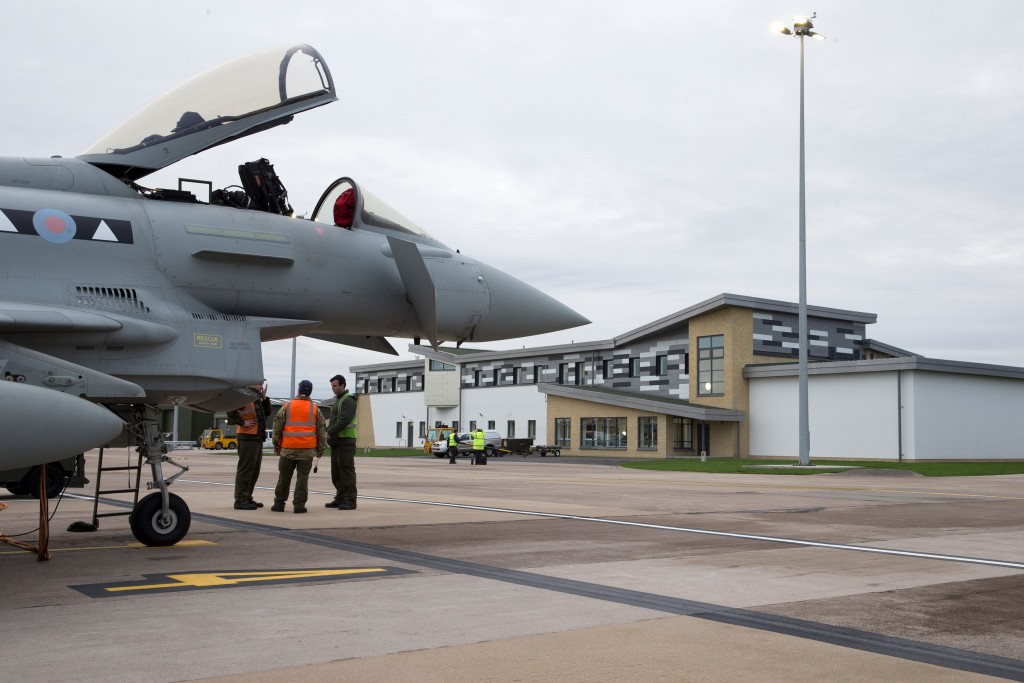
point(802, 26)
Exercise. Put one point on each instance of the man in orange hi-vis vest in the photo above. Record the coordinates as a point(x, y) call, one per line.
point(300, 434)
point(251, 421)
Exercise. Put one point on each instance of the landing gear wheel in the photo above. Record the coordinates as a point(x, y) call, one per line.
point(16, 489)
point(151, 528)
point(54, 481)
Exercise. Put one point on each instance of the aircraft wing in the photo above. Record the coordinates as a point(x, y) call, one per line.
point(380, 344)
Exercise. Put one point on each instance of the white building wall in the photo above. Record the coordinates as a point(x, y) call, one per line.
point(945, 416)
point(388, 409)
point(851, 416)
point(959, 417)
point(520, 403)
point(441, 387)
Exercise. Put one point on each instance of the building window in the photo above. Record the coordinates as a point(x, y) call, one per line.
point(476, 378)
point(563, 432)
point(647, 433)
point(423, 430)
point(580, 377)
point(438, 366)
point(661, 366)
point(561, 372)
point(603, 432)
point(531, 429)
point(380, 385)
point(490, 424)
point(606, 369)
point(394, 384)
point(398, 430)
point(366, 386)
point(634, 367)
point(511, 432)
point(682, 433)
point(408, 382)
point(514, 376)
point(455, 425)
point(711, 365)
point(686, 363)
point(536, 374)
point(472, 425)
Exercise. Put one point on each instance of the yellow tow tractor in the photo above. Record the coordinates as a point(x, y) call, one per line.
point(218, 440)
point(436, 434)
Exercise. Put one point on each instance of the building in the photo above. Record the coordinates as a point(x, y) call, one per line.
point(718, 378)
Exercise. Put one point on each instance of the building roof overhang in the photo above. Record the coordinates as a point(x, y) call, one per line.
point(918, 363)
point(655, 404)
point(681, 319)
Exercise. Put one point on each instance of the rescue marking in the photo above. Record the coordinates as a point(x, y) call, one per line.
point(191, 581)
point(207, 341)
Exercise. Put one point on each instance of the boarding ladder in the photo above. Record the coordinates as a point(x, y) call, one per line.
point(100, 491)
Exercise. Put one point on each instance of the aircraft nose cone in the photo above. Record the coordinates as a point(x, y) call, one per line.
point(519, 310)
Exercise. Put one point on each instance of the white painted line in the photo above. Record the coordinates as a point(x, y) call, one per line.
point(687, 530)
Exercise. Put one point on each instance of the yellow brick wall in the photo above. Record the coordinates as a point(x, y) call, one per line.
point(737, 326)
point(559, 406)
point(364, 427)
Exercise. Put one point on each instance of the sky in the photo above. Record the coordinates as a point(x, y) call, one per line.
point(629, 159)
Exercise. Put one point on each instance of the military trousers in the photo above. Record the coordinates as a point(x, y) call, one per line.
point(301, 466)
point(343, 471)
point(250, 459)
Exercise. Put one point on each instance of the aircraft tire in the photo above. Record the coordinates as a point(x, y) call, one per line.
point(148, 527)
point(54, 481)
point(15, 488)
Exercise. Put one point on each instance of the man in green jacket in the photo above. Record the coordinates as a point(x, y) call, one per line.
point(341, 437)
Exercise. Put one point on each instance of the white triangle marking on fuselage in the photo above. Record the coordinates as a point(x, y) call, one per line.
point(104, 233)
point(5, 223)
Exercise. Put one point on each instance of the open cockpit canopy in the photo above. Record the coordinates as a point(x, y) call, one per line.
point(239, 98)
point(348, 205)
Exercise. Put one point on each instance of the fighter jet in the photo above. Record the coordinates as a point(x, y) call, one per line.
point(124, 298)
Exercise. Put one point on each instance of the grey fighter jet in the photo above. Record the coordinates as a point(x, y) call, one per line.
point(123, 298)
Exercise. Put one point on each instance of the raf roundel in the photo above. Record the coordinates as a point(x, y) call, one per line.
point(54, 226)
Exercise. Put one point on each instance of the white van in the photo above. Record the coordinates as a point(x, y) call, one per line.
point(268, 440)
point(492, 442)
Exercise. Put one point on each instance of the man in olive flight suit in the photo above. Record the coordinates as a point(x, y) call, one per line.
point(341, 437)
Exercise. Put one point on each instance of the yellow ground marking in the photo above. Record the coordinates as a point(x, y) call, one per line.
point(207, 580)
point(179, 544)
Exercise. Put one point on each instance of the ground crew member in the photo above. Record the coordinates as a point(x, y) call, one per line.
point(478, 447)
point(341, 437)
point(453, 447)
point(252, 426)
point(300, 435)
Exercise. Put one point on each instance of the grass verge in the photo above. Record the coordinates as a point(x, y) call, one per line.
point(964, 468)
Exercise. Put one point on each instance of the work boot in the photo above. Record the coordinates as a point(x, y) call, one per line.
point(299, 511)
point(277, 507)
point(256, 503)
point(347, 506)
point(244, 506)
point(332, 504)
